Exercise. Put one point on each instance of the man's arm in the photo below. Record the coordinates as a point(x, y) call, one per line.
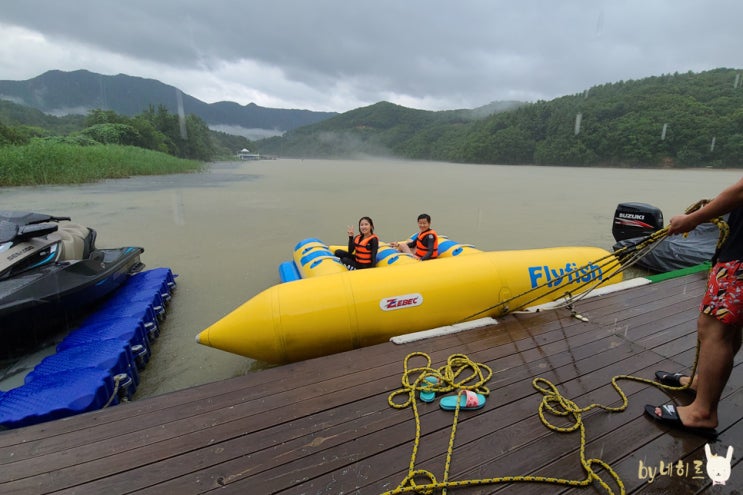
point(729, 199)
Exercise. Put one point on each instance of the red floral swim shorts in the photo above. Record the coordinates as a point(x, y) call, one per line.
point(723, 298)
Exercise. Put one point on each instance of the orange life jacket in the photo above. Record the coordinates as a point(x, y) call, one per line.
point(421, 249)
point(361, 249)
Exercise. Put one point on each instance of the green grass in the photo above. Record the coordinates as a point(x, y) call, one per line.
point(42, 162)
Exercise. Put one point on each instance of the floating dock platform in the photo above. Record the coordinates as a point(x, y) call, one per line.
point(96, 365)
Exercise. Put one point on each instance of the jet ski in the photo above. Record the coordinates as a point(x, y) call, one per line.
point(50, 273)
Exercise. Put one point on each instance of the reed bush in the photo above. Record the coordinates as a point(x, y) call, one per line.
point(53, 162)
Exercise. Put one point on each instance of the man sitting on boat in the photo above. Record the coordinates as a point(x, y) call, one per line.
point(426, 242)
point(362, 249)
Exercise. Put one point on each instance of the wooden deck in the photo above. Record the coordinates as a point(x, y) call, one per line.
point(324, 426)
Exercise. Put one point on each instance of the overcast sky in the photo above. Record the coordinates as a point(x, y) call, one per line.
point(337, 55)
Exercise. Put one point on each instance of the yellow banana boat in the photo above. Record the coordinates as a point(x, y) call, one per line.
point(331, 309)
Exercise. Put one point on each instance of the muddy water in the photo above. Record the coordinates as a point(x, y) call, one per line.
point(225, 231)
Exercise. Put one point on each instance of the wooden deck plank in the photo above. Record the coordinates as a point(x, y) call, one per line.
point(520, 401)
point(324, 425)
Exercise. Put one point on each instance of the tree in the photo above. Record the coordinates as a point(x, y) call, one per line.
point(113, 134)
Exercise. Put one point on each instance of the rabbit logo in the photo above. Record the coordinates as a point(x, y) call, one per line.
point(718, 467)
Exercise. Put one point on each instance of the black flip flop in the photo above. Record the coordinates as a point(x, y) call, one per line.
point(669, 417)
point(671, 379)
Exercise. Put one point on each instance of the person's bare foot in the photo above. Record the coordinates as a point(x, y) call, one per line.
point(691, 418)
point(669, 415)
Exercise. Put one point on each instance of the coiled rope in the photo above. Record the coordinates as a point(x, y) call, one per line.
point(457, 375)
point(460, 374)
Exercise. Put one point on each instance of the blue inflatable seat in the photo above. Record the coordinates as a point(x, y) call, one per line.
point(57, 396)
point(315, 242)
point(445, 245)
point(288, 272)
point(112, 355)
point(324, 253)
point(457, 248)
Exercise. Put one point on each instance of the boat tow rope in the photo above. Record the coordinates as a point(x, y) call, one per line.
point(117, 379)
point(460, 374)
point(608, 266)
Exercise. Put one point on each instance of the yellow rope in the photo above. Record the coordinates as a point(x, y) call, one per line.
point(460, 374)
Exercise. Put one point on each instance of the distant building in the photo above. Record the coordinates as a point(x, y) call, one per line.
point(245, 154)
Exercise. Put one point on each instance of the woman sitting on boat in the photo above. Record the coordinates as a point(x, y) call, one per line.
point(362, 248)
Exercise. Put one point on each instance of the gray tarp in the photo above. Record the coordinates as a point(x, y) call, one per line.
point(675, 252)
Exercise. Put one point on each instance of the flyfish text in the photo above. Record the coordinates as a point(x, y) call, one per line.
point(567, 274)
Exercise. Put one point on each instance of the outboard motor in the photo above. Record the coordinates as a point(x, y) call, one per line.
point(636, 220)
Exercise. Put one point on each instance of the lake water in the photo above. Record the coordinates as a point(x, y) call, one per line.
point(225, 231)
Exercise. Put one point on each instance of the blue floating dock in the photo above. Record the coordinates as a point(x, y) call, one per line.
point(131, 329)
point(98, 364)
point(56, 396)
point(112, 355)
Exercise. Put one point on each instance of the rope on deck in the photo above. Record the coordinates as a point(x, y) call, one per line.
point(460, 374)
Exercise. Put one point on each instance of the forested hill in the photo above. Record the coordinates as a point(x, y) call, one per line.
point(77, 92)
point(674, 120)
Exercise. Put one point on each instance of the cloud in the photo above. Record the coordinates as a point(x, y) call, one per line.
point(252, 134)
point(335, 55)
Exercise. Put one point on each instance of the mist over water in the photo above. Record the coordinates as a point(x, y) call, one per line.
point(225, 231)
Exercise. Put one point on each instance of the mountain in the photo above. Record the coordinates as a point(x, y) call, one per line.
point(381, 129)
point(673, 120)
point(61, 93)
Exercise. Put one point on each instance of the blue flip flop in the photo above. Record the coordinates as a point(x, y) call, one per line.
point(467, 401)
point(428, 394)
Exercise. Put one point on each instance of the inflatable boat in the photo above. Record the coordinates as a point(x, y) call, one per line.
point(323, 308)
